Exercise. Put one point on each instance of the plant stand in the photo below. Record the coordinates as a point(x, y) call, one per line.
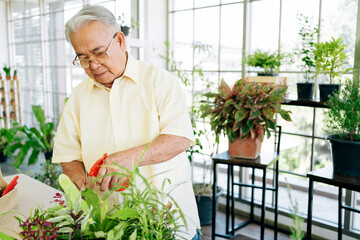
point(10, 107)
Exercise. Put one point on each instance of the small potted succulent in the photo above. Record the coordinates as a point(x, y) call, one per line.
point(342, 121)
point(244, 114)
point(329, 60)
point(308, 33)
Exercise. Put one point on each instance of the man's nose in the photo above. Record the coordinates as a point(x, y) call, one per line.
point(93, 63)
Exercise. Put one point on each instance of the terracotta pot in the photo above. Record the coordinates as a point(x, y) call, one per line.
point(245, 148)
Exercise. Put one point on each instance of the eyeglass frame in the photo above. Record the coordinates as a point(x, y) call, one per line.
point(77, 59)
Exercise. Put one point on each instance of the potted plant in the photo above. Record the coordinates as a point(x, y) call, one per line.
point(342, 120)
point(7, 72)
point(34, 140)
point(308, 34)
point(6, 136)
point(244, 114)
point(145, 213)
point(125, 27)
point(329, 59)
point(267, 65)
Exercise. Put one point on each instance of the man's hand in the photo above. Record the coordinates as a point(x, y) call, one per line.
point(123, 158)
point(75, 170)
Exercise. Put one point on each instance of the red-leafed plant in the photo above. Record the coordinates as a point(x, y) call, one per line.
point(246, 109)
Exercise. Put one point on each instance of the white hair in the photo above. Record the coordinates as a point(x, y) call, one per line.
point(86, 15)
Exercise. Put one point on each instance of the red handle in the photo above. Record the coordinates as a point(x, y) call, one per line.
point(11, 186)
point(95, 168)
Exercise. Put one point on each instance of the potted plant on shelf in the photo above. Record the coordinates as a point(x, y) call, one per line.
point(342, 121)
point(7, 72)
point(308, 34)
point(329, 59)
point(244, 114)
point(267, 65)
point(125, 27)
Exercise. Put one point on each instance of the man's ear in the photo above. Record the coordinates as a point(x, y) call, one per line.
point(120, 38)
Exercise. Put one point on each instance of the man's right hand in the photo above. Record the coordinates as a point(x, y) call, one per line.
point(75, 170)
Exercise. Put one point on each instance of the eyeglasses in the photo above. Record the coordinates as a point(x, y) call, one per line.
point(98, 58)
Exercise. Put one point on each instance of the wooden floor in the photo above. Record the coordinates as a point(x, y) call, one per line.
point(252, 230)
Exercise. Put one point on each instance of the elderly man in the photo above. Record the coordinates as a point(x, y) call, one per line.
point(123, 106)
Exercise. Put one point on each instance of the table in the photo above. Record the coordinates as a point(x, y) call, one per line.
point(327, 175)
point(31, 194)
point(263, 162)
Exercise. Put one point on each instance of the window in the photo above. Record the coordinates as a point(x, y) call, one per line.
point(42, 56)
point(230, 30)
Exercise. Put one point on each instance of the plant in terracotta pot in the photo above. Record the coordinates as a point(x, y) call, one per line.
point(244, 114)
point(308, 33)
point(329, 59)
point(342, 121)
point(7, 72)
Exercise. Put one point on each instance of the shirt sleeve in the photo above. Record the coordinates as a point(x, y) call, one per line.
point(67, 145)
point(171, 106)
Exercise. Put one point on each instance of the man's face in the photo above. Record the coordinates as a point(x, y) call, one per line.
point(96, 37)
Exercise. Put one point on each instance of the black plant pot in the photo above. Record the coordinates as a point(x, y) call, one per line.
point(125, 30)
point(3, 157)
point(204, 204)
point(326, 90)
point(48, 155)
point(305, 91)
point(267, 74)
point(345, 156)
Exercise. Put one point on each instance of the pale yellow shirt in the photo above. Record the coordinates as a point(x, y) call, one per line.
point(141, 105)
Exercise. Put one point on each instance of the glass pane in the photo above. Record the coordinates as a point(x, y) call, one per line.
point(180, 4)
point(356, 216)
point(32, 29)
point(202, 84)
point(54, 6)
point(322, 203)
point(295, 154)
point(339, 20)
point(17, 9)
point(207, 33)
point(56, 54)
point(322, 156)
point(32, 8)
point(204, 3)
point(301, 120)
point(320, 124)
point(20, 55)
point(231, 37)
point(291, 80)
point(183, 27)
point(260, 29)
point(71, 4)
point(19, 35)
point(230, 77)
point(56, 26)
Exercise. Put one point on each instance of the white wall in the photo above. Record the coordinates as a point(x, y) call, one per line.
point(4, 56)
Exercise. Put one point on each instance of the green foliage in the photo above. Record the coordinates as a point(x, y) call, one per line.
point(7, 70)
point(32, 139)
point(122, 20)
point(296, 230)
point(308, 33)
point(329, 58)
point(142, 215)
point(343, 117)
point(246, 110)
point(266, 61)
point(49, 173)
point(7, 135)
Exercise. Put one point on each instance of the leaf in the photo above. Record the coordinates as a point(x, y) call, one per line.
point(125, 213)
point(4, 236)
point(34, 156)
point(229, 102)
point(69, 188)
point(65, 230)
point(268, 112)
point(240, 114)
point(100, 234)
point(104, 209)
point(133, 235)
point(225, 90)
point(285, 115)
point(255, 113)
point(38, 113)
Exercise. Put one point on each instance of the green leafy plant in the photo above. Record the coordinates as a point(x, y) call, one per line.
point(343, 117)
point(329, 58)
point(33, 139)
point(308, 33)
point(83, 215)
point(296, 230)
point(123, 23)
point(248, 109)
point(7, 135)
point(49, 173)
point(7, 70)
point(267, 62)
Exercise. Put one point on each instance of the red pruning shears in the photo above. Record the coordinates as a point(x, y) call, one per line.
point(11, 186)
point(94, 170)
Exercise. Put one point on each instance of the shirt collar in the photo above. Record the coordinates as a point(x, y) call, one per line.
point(131, 72)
